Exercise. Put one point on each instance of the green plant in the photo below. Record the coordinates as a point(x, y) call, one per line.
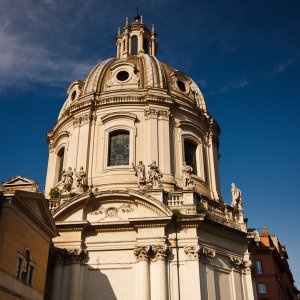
point(222, 207)
point(235, 209)
point(200, 209)
point(72, 195)
point(177, 215)
point(54, 193)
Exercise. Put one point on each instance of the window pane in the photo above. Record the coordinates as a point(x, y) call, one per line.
point(19, 267)
point(258, 267)
point(146, 46)
point(118, 148)
point(262, 289)
point(134, 45)
point(30, 275)
point(190, 155)
point(61, 155)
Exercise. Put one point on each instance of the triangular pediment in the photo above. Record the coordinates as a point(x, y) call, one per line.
point(20, 183)
point(34, 205)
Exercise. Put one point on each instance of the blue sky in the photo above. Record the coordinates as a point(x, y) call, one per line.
point(244, 55)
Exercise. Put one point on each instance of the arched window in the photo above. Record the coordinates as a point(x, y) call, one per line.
point(25, 267)
point(190, 155)
point(123, 45)
point(146, 46)
point(118, 152)
point(60, 157)
point(134, 45)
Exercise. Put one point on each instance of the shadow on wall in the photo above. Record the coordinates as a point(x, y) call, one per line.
point(98, 286)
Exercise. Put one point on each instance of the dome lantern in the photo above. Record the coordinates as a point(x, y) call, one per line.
point(136, 39)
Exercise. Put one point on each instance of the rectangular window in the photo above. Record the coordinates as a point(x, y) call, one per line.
point(30, 274)
point(258, 267)
point(262, 288)
point(19, 267)
point(118, 148)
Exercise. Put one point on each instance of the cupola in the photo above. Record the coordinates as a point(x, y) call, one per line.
point(136, 39)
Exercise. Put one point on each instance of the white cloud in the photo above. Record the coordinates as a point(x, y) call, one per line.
point(235, 84)
point(28, 55)
point(284, 65)
point(23, 62)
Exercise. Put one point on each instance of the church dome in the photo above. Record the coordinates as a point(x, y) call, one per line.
point(130, 109)
point(140, 75)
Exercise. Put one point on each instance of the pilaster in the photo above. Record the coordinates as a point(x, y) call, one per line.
point(143, 272)
point(193, 269)
point(159, 285)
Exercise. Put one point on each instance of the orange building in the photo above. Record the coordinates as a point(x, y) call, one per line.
point(273, 279)
point(27, 229)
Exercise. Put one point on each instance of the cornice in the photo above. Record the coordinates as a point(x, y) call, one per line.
point(119, 115)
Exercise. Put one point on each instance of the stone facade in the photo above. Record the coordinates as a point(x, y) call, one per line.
point(27, 228)
point(145, 219)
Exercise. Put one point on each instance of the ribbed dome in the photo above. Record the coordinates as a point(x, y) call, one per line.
point(138, 74)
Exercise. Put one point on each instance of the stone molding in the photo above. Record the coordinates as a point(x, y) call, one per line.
point(192, 252)
point(153, 252)
point(82, 120)
point(142, 252)
point(207, 254)
point(160, 252)
point(155, 113)
point(239, 264)
point(74, 256)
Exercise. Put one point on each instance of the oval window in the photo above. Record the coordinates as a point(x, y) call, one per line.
point(181, 85)
point(122, 75)
point(73, 95)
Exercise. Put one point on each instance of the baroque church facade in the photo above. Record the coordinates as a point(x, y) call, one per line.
point(134, 187)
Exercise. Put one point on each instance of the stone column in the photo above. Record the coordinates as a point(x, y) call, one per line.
point(143, 272)
point(160, 253)
point(57, 277)
point(193, 269)
point(76, 258)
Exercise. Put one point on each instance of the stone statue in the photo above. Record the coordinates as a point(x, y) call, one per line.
point(81, 180)
point(187, 176)
point(67, 180)
point(154, 174)
point(140, 173)
point(236, 197)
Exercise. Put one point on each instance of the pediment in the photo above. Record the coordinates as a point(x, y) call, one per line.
point(35, 207)
point(20, 183)
point(120, 207)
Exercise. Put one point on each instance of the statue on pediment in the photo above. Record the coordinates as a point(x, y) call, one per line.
point(187, 176)
point(81, 180)
point(154, 174)
point(67, 179)
point(140, 173)
point(236, 197)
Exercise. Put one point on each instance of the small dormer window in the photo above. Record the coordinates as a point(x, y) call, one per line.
point(122, 75)
point(146, 46)
point(181, 85)
point(134, 45)
point(73, 95)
